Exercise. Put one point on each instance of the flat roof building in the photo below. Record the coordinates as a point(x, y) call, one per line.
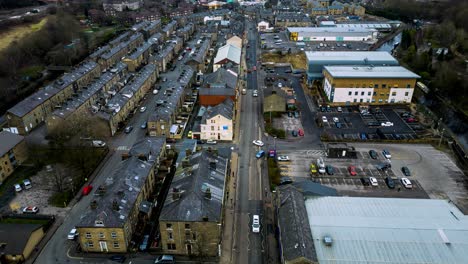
point(331, 34)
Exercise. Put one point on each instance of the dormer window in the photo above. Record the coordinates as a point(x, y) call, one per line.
point(98, 223)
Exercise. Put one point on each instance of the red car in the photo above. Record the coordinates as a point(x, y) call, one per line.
point(411, 120)
point(352, 170)
point(87, 189)
point(300, 132)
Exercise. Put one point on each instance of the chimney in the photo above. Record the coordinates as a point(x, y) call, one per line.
point(93, 204)
point(188, 152)
point(115, 205)
point(185, 163)
point(175, 194)
point(208, 194)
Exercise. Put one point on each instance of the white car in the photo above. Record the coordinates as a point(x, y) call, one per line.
point(407, 183)
point(210, 141)
point(30, 210)
point(280, 85)
point(386, 154)
point(256, 224)
point(155, 91)
point(283, 158)
point(99, 143)
point(324, 119)
point(73, 234)
point(339, 109)
point(387, 124)
point(27, 184)
point(142, 109)
point(255, 93)
point(258, 143)
point(373, 181)
point(336, 120)
point(18, 188)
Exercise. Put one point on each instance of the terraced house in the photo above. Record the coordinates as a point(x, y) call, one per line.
point(126, 100)
point(13, 152)
point(115, 54)
point(122, 205)
point(32, 111)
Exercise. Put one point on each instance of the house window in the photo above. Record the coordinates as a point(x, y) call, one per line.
point(169, 234)
point(101, 235)
point(355, 100)
point(406, 93)
point(212, 128)
point(384, 86)
point(88, 235)
point(114, 235)
point(376, 86)
point(187, 235)
point(90, 244)
point(361, 100)
point(369, 93)
point(116, 244)
point(375, 93)
point(171, 246)
point(187, 226)
point(408, 86)
point(393, 93)
point(362, 93)
point(168, 225)
point(380, 100)
point(194, 236)
point(350, 93)
point(373, 100)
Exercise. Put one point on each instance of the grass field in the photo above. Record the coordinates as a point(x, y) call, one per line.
point(16, 33)
point(298, 61)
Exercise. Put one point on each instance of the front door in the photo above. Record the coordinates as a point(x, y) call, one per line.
point(103, 245)
point(189, 249)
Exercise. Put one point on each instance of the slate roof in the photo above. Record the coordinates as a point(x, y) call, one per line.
point(8, 141)
point(221, 76)
point(121, 46)
point(124, 185)
point(140, 50)
point(15, 237)
point(296, 239)
point(206, 170)
point(224, 109)
point(229, 52)
point(200, 52)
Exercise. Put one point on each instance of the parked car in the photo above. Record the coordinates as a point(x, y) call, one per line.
point(164, 259)
point(365, 181)
point(144, 243)
point(31, 210)
point(211, 142)
point(272, 153)
point(321, 166)
point(260, 154)
point(411, 120)
point(335, 119)
point(72, 234)
point(155, 91)
point(373, 181)
point(352, 170)
point(406, 183)
point(164, 79)
point(339, 109)
point(338, 125)
point(118, 258)
point(18, 187)
point(313, 168)
point(27, 184)
point(190, 134)
point(329, 169)
point(363, 135)
point(87, 189)
point(128, 129)
point(256, 224)
point(255, 93)
point(296, 114)
point(324, 119)
point(283, 158)
point(258, 143)
point(387, 124)
point(390, 182)
point(294, 133)
point(406, 171)
point(98, 143)
point(386, 154)
point(142, 109)
point(373, 154)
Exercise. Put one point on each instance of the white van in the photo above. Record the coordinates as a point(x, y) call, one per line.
point(321, 166)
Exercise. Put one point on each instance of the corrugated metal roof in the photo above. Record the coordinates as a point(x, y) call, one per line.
point(387, 230)
point(397, 72)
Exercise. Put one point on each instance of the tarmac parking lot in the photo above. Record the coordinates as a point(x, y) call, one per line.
point(357, 126)
point(433, 173)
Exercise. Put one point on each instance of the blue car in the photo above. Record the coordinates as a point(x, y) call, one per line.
point(260, 154)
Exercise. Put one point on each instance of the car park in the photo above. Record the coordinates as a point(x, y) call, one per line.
point(283, 158)
point(321, 166)
point(31, 210)
point(410, 120)
point(406, 171)
point(365, 181)
point(390, 182)
point(406, 183)
point(387, 124)
point(373, 154)
point(258, 143)
point(72, 234)
point(128, 129)
point(211, 142)
point(87, 189)
point(260, 154)
point(256, 224)
point(329, 169)
point(386, 154)
point(373, 181)
point(352, 170)
point(164, 259)
point(18, 187)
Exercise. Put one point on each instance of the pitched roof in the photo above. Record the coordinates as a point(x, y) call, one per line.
point(16, 236)
point(229, 52)
point(224, 109)
point(205, 171)
point(8, 141)
point(222, 75)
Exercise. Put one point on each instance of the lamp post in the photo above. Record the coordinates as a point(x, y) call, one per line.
point(441, 136)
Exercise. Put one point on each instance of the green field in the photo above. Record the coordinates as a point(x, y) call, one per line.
point(17, 32)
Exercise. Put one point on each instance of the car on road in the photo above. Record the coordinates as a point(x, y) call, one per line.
point(211, 142)
point(390, 182)
point(386, 154)
point(339, 109)
point(255, 93)
point(329, 169)
point(87, 189)
point(406, 171)
point(18, 187)
point(373, 181)
point(300, 132)
point(128, 129)
point(352, 170)
point(142, 109)
point(336, 120)
point(283, 158)
point(324, 119)
point(365, 181)
point(406, 183)
point(313, 168)
point(144, 125)
point(256, 224)
point(165, 259)
point(155, 91)
point(164, 79)
point(373, 154)
point(30, 210)
point(190, 134)
point(118, 258)
point(260, 154)
point(272, 153)
point(72, 234)
point(258, 143)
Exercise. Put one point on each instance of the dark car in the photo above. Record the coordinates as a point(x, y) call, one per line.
point(288, 71)
point(363, 135)
point(373, 154)
point(383, 166)
point(323, 109)
point(329, 169)
point(294, 133)
point(200, 142)
point(390, 182)
point(285, 180)
point(118, 258)
point(365, 181)
point(338, 125)
point(406, 171)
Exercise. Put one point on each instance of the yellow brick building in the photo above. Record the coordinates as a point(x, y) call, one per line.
point(367, 84)
point(13, 152)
